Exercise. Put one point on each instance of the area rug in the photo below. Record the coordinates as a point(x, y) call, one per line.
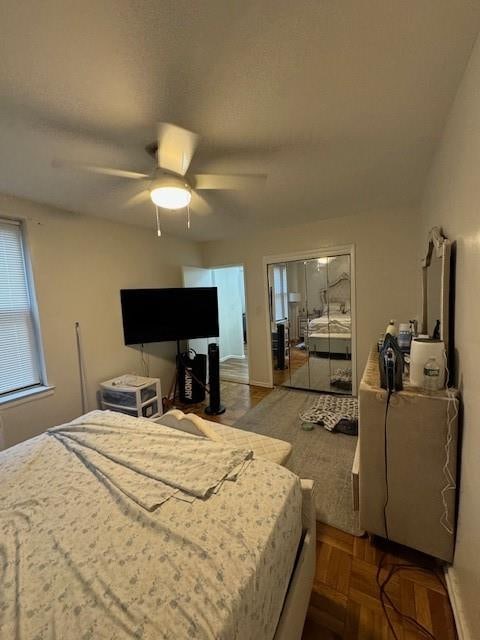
point(323, 456)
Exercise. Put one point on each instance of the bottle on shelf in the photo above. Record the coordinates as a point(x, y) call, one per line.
point(431, 375)
point(391, 328)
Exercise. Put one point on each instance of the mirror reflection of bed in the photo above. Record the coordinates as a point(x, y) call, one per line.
point(311, 306)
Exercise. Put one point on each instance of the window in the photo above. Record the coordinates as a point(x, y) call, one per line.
point(280, 300)
point(19, 348)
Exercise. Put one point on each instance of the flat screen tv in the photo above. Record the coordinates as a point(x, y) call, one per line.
point(162, 315)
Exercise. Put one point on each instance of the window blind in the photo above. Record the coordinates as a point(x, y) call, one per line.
point(19, 361)
point(280, 302)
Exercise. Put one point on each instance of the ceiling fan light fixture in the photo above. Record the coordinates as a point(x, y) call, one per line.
point(171, 197)
point(170, 192)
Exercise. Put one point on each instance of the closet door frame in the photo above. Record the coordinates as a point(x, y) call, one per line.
point(324, 252)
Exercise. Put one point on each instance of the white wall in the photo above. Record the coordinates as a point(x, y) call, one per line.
point(230, 305)
point(452, 200)
point(80, 264)
point(387, 272)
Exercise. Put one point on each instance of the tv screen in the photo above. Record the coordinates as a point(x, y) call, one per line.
point(161, 315)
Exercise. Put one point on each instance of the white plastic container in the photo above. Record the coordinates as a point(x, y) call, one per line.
point(404, 336)
point(422, 350)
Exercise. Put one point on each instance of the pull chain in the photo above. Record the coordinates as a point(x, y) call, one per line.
point(188, 216)
point(157, 214)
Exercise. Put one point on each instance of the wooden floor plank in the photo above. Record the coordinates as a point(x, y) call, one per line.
point(352, 622)
point(407, 597)
point(324, 551)
point(441, 615)
point(427, 580)
point(422, 606)
point(344, 573)
point(335, 538)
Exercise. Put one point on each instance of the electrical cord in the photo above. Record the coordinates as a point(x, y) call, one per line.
point(450, 483)
point(385, 452)
point(386, 599)
point(384, 596)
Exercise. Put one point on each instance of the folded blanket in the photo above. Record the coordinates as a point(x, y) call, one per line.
point(149, 463)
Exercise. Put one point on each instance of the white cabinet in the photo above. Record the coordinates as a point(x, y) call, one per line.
point(133, 395)
point(419, 434)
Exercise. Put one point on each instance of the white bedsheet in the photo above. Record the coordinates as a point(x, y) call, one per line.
point(82, 560)
point(338, 323)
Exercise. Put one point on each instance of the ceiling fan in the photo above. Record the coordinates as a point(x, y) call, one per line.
point(170, 184)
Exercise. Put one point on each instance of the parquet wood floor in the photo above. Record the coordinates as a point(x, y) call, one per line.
point(234, 370)
point(345, 602)
point(237, 399)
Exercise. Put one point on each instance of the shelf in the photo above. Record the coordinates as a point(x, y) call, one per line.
point(149, 401)
point(134, 412)
point(127, 407)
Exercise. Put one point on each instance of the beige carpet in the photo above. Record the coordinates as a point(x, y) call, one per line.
point(323, 456)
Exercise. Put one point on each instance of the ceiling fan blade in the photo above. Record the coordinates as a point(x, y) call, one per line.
point(138, 198)
point(93, 168)
point(176, 147)
point(229, 182)
point(199, 205)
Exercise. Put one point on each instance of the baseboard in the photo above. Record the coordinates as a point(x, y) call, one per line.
point(257, 383)
point(233, 357)
point(457, 609)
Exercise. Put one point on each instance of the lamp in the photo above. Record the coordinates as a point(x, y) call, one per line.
point(170, 192)
point(294, 297)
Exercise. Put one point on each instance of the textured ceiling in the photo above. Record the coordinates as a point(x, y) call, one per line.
point(340, 102)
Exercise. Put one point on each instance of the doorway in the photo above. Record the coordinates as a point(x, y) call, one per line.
point(232, 341)
point(312, 321)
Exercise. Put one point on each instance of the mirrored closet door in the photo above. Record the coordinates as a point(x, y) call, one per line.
point(311, 323)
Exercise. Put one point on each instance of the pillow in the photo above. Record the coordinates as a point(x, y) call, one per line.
point(334, 307)
point(190, 423)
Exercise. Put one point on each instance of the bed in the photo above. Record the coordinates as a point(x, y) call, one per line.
point(330, 333)
point(114, 527)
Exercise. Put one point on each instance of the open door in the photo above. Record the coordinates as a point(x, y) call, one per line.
point(232, 340)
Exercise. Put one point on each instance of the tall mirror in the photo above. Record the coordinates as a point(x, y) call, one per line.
point(437, 307)
point(436, 287)
point(338, 295)
point(310, 313)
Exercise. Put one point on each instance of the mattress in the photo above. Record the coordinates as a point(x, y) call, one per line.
point(83, 560)
point(330, 336)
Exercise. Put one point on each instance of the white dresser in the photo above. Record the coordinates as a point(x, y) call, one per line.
point(418, 428)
